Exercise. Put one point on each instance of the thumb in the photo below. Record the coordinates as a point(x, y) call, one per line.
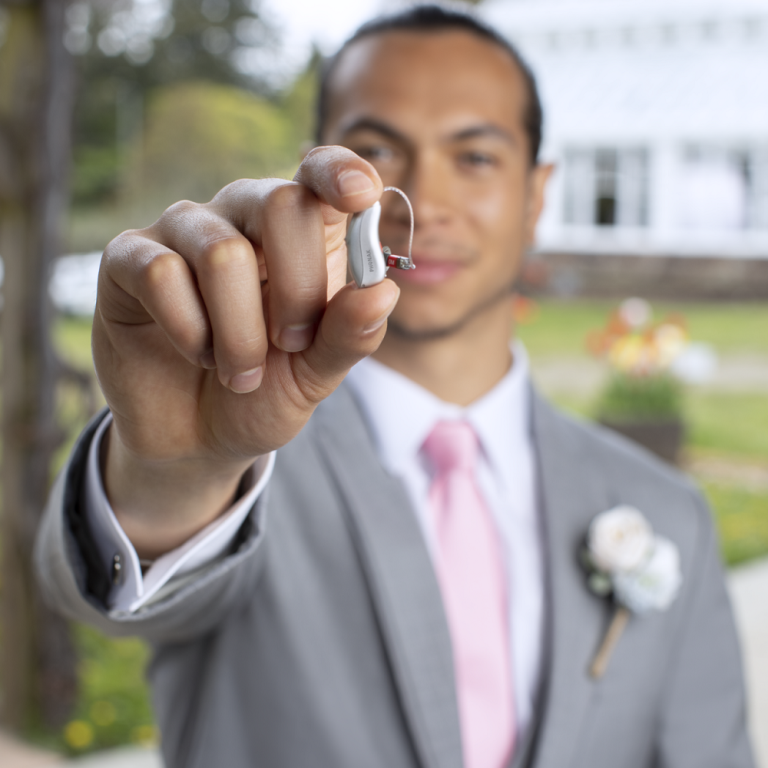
point(353, 326)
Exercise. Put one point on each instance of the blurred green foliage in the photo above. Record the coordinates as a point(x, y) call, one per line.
point(114, 705)
point(195, 137)
point(178, 116)
point(197, 40)
point(629, 397)
point(200, 137)
point(741, 515)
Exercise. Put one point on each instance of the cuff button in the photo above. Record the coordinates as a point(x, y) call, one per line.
point(117, 570)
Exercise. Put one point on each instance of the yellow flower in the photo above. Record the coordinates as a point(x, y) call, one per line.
point(78, 734)
point(670, 341)
point(146, 735)
point(627, 353)
point(103, 713)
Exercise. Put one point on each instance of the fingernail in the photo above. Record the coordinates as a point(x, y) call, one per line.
point(208, 361)
point(294, 338)
point(353, 183)
point(376, 324)
point(246, 382)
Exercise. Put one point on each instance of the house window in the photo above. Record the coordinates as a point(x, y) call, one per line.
point(606, 187)
point(724, 188)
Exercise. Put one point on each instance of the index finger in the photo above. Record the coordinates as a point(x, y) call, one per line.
point(341, 179)
point(285, 223)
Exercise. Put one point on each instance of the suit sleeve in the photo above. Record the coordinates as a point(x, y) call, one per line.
point(74, 580)
point(703, 714)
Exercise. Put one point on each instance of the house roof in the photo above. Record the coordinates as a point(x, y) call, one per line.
point(618, 71)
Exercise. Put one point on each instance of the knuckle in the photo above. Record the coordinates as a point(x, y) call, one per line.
point(191, 337)
point(244, 352)
point(121, 247)
point(287, 196)
point(174, 220)
point(180, 210)
point(329, 152)
point(238, 189)
point(237, 200)
point(160, 271)
point(313, 386)
point(306, 292)
point(226, 254)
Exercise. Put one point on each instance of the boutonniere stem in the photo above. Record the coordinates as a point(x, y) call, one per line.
point(628, 563)
point(612, 636)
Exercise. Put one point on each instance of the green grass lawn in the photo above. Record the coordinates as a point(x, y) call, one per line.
point(114, 703)
point(732, 424)
point(561, 327)
point(723, 424)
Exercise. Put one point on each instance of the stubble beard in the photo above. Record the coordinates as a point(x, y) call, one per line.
point(435, 333)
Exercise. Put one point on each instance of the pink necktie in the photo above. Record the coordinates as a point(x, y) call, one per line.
point(471, 576)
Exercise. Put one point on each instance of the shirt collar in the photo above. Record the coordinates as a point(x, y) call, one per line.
point(401, 413)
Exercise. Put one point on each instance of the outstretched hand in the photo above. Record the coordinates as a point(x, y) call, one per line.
point(217, 332)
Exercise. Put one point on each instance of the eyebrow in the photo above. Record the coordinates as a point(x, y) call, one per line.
point(379, 126)
point(473, 132)
point(486, 129)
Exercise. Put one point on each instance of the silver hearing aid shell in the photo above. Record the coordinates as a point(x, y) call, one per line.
point(367, 262)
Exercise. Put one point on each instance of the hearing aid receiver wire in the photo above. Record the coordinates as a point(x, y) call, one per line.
point(402, 194)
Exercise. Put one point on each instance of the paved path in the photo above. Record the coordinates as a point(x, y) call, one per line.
point(16, 755)
point(748, 586)
point(583, 375)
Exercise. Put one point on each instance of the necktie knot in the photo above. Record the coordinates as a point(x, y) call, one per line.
point(452, 445)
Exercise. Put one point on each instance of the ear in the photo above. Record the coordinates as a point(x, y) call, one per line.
point(537, 181)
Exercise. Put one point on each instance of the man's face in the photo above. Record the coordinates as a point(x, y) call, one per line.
point(440, 116)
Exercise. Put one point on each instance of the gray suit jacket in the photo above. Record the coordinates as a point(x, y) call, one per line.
point(320, 640)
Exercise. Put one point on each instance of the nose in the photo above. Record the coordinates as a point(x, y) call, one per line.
point(428, 186)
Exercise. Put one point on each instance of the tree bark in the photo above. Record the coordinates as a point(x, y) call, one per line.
point(36, 94)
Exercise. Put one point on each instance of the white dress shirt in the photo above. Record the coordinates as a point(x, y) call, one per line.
point(506, 474)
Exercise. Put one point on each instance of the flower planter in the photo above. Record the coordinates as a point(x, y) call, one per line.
point(664, 438)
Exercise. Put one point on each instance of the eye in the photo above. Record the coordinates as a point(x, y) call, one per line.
point(476, 159)
point(375, 153)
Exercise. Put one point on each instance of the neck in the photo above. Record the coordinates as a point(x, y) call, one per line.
point(458, 368)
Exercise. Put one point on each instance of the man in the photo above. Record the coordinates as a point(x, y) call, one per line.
point(402, 587)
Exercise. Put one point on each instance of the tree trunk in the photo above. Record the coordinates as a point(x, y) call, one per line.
point(36, 91)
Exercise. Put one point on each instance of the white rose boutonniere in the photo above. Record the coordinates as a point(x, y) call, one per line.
point(641, 570)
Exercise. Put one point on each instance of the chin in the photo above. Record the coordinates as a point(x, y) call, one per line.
point(423, 331)
point(432, 320)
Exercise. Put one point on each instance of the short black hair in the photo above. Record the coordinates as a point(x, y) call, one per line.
point(434, 18)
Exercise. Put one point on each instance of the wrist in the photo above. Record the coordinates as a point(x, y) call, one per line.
point(162, 504)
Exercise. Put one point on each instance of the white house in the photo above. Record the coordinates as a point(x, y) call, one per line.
point(656, 114)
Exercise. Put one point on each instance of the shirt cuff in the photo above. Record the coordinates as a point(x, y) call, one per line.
point(131, 589)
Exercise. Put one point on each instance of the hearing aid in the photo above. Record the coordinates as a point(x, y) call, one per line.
point(368, 260)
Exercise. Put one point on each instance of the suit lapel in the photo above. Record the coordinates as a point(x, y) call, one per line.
point(401, 579)
point(406, 595)
point(572, 493)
